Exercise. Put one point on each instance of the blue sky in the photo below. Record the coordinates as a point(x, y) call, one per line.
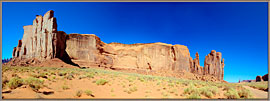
point(238, 30)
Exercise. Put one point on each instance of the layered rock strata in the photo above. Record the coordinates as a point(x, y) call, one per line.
point(41, 41)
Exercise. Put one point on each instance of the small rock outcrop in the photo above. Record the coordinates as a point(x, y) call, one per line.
point(196, 65)
point(42, 42)
point(265, 77)
point(259, 78)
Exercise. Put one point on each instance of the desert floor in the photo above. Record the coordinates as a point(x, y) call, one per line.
point(94, 83)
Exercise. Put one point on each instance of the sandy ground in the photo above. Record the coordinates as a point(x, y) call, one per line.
point(119, 85)
point(257, 93)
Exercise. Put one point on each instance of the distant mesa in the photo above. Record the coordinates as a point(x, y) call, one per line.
point(258, 79)
point(43, 42)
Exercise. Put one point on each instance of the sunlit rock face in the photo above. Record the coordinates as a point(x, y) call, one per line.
point(213, 65)
point(41, 40)
point(152, 56)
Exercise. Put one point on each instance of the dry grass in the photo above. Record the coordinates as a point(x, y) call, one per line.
point(130, 83)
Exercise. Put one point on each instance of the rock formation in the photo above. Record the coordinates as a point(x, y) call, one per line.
point(259, 78)
point(213, 65)
point(41, 41)
point(265, 77)
point(196, 65)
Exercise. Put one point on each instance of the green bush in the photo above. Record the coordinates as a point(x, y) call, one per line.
point(112, 90)
point(195, 95)
point(88, 92)
point(15, 82)
point(131, 79)
point(130, 90)
point(244, 93)
point(34, 83)
point(232, 94)
point(208, 93)
point(101, 82)
point(90, 75)
point(43, 75)
point(69, 76)
point(190, 89)
point(141, 79)
point(65, 87)
point(62, 73)
point(79, 93)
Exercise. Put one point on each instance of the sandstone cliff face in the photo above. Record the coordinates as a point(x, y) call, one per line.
point(152, 56)
point(41, 42)
point(196, 65)
point(213, 65)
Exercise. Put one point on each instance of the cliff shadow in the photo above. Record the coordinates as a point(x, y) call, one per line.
point(66, 58)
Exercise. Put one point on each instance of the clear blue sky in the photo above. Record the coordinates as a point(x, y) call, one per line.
point(238, 30)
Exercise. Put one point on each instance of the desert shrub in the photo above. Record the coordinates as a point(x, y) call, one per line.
point(83, 76)
point(133, 89)
point(164, 94)
point(195, 95)
point(34, 75)
point(147, 91)
point(101, 82)
point(173, 91)
point(244, 93)
point(206, 92)
point(212, 89)
point(171, 85)
point(65, 87)
point(4, 81)
point(141, 79)
point(131, 79)
point(62, 73)
point(53, 77)
point(15, 82)
point(178, 82)
point(190, 89)
point(34, 83)
point(232, 94)
point(88, 92)
point(185, 83)
point(69, 76)
point(227, 87)
point(112, 90)
point(90, 75)
point(79, 93)
point(130, 90)
point(43, 75)
point(159, 82)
